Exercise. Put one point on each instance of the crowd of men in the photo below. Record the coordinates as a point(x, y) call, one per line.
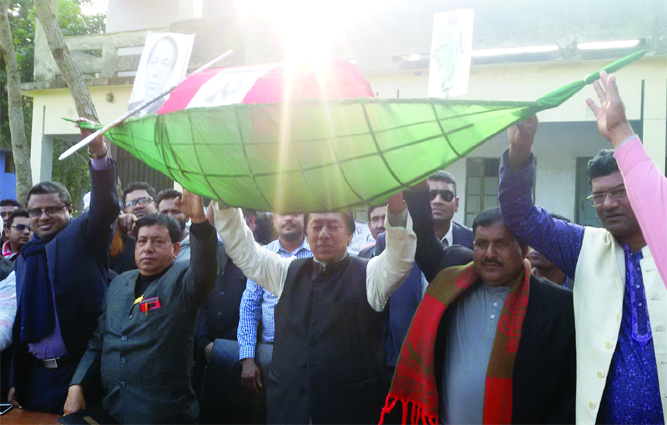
point(123, 306)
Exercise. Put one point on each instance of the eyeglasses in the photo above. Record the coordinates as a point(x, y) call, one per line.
point(140, 201)
point(21, 227)
point(37, 212)
point(446, 195)
point(617, 193)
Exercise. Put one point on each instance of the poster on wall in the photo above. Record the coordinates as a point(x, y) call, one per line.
point(361, 239)
point(164, 62)
point(451, 46)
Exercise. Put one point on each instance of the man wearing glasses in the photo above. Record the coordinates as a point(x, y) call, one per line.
point(444, 203)
point(18, 233)
point(61, 277)
point(618, 286)
point(7, 207)
point(138, 201)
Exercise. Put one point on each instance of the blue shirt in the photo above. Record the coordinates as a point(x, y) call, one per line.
point(258, 303)
point(632, 393)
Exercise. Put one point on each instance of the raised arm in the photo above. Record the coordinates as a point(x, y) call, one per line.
point(386, 272)
point(429, 249)
point(256, 263)
point(104, 204)
point(204, 252)
point(645, 184)
point(557, 240)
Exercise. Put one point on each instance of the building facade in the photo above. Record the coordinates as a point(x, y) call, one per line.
point(391, 48)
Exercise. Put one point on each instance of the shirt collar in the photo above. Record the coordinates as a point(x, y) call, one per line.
point(628, 251)
point(449, 236)
point(304, 245)
point(331, 267)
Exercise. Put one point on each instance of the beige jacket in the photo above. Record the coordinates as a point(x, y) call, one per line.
point(598, 308)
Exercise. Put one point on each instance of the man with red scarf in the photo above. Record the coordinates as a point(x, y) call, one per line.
point(489, 342)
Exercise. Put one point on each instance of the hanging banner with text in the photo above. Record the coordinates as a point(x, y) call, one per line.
point(450, 53)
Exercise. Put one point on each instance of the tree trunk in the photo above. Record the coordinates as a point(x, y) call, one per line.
point(20, 145)
point(77, 86)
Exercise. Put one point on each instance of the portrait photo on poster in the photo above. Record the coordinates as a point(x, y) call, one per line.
point(164, 61)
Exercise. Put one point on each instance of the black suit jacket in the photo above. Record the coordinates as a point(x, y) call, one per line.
point(462, 235)
point(544, 377)
point(78, 263)
point(219, 313)
point(431, 257)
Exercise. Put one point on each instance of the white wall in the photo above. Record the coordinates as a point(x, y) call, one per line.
point(51, 105)
point(131, 15)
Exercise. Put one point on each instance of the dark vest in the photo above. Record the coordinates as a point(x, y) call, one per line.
point(225, 299)
point(328, 356)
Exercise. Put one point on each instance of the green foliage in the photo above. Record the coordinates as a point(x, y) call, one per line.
point(22, 22)
point(73, 22)
point(72, 172)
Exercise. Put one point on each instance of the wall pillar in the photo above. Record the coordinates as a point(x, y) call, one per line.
point(41, 158)
point(655, 120)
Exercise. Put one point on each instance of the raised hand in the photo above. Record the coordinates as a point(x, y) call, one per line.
point(97, 146)
point(126, 223)
point(396, 204)
point(522, 136)
point(192, 205)
point(610, 115)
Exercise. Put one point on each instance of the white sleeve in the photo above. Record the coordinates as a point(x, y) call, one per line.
point(7, 309)
point(386, 272)
point(266, 268)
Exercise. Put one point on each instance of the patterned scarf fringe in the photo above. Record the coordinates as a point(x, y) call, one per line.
point(417, 415)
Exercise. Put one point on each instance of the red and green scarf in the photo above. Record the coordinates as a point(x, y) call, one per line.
point(414, 382)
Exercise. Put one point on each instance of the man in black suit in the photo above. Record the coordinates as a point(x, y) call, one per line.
point(542, 380)
point(142, 348)
point(444, 203)
point(61, 277)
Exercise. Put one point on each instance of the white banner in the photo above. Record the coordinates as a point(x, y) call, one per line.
point(450, 53)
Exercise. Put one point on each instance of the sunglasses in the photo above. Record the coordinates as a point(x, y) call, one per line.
point(21, 227)
point(446, 195)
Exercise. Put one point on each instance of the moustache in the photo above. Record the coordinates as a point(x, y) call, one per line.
point(494, 262)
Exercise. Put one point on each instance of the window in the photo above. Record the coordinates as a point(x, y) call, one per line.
point(481, 186)
point(9, 163)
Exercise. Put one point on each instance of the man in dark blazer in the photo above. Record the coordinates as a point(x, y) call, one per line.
point(444, 203)
point(61, 277)
point(543, 377)
point(142, 348)
point(403, 303)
